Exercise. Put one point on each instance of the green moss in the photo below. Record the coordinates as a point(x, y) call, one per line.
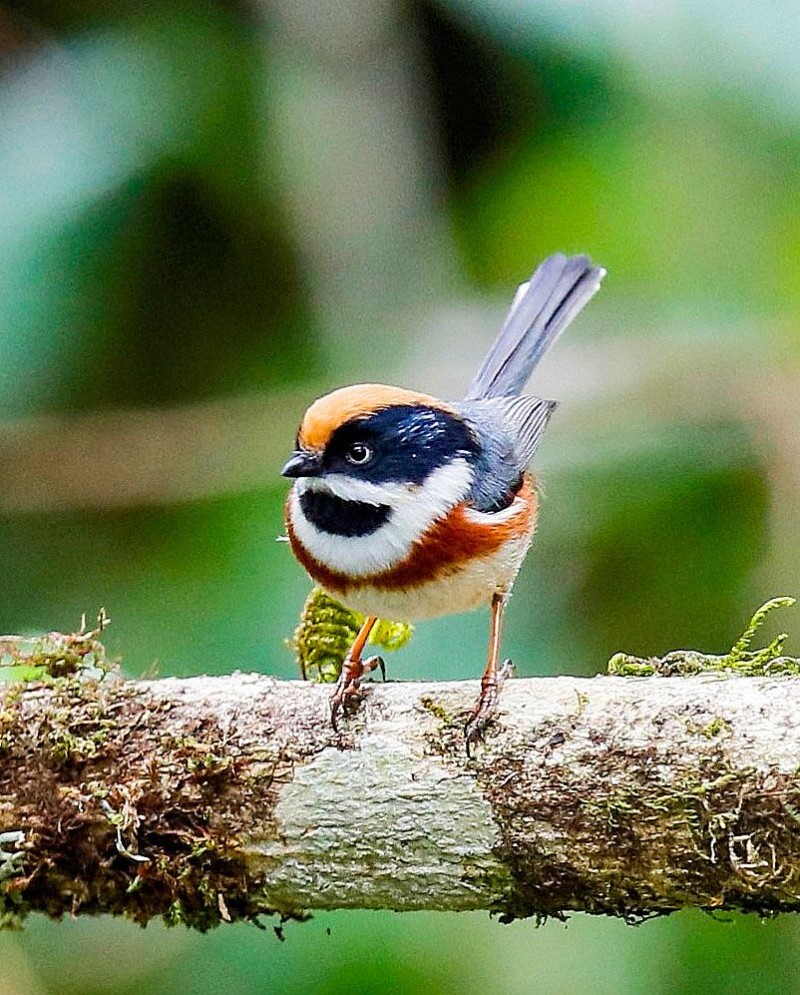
point(175, 914)
point(200, 760)
point(489, 876)
point(740, 659)
point(55, 654)
point(66, 744)
point(716, 727)
point(436, 709)
point(326, 631)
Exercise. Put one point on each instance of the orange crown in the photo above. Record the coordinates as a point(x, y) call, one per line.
point(333, 410)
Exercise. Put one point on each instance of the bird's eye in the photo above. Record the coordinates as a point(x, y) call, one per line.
point(358, 454)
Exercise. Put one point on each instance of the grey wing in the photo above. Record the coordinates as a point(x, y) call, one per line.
point(527, 418)
point(509, 430)
point(541, 310)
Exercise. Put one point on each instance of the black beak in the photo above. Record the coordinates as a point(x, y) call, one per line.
point(303, 463)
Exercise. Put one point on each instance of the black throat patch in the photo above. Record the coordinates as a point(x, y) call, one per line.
point(338, 517)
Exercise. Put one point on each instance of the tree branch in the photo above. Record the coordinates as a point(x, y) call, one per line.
point(230, 797)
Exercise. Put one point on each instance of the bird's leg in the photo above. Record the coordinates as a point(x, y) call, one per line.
point(493, 677)
point(353, 669)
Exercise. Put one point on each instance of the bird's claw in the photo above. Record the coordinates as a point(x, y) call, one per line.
point(486, 705)
point(348, 687)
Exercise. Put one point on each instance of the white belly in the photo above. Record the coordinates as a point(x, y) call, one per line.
point(470, 586)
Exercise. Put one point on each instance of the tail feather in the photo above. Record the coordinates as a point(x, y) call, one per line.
point(542, 308)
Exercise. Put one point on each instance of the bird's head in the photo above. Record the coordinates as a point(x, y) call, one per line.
point(378, 464)
point(376, 434)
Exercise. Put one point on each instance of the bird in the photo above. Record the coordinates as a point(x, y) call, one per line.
point(408, 507)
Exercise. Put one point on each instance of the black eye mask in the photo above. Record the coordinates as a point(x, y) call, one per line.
point(408, 442)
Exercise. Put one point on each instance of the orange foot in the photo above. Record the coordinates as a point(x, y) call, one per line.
point(486, 705)
point(348, 687)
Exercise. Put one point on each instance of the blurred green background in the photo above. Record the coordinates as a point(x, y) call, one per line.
point(212, 212)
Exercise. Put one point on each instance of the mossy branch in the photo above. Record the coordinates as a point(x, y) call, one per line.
point(218, 799)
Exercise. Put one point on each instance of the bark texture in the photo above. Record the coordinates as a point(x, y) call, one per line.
point(214, 799)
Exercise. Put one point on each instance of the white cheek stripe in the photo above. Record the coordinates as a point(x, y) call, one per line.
point(414, 509)
point(350, 489)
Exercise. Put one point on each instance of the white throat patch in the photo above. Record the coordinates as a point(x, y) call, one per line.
point(415, 507)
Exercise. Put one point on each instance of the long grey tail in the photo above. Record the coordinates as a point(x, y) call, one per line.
point(541, 310)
